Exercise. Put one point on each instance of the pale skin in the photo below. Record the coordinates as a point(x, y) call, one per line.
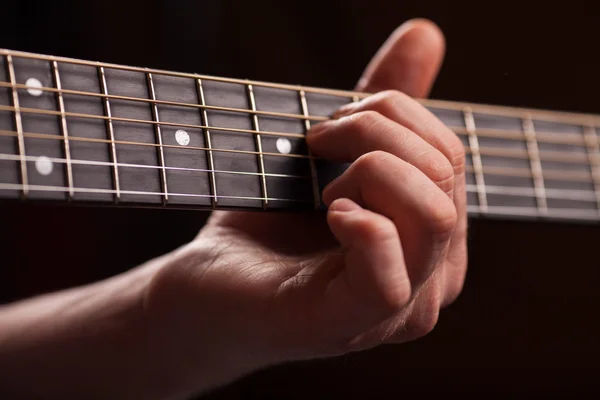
point(253, 289)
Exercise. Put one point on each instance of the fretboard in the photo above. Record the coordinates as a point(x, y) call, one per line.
point(88, 132)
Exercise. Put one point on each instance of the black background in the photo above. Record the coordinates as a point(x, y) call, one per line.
point(527, 320)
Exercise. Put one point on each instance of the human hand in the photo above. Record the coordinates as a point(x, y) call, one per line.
point(256, 289)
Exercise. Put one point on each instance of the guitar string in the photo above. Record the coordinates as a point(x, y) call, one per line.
point(14, 157)
point(168, 102)
point(47, 188)
point(559, 194)
point(542, 136)
point(172, 146)
point(551, 174)
point(151, 122)
point(472, 209)
point(578, 214)
point(558, 156)
point(541, 115)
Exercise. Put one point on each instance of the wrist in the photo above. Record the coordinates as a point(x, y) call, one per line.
point(202, 348)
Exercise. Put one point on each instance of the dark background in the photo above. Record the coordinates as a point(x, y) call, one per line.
point(526, 323)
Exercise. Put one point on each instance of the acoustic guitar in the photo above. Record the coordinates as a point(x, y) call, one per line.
point(87, 132)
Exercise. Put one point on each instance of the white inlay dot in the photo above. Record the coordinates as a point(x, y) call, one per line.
point(284, 145)
point(33, 87)
point(182, 137)
point(43, 165)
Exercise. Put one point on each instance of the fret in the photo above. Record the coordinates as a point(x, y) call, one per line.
point(129, 135)
point(261, 162)
point(161, 155)
point(325, 105)
point(499, 170)
point(10, 170)
point(63, 127)
point(593, 152)
point(476, 158)
point(111, 134)
point(209, 153)
point(234, 133)
point(455, 119)
point(87, 137)
point(313, 167)
point(536, 164)
point(186, 162)
point(287, 163)
point(19, 126)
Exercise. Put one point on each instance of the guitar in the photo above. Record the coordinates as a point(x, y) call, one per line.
point(88, 132)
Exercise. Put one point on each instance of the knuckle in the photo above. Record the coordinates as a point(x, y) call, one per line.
point(372, 162)
point(439, 170)
point(442, 216)
point(387, 102)
point(362, 124)
point(376, 230)
point(364, 120)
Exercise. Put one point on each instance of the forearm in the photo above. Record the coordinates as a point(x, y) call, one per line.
point(96, 341)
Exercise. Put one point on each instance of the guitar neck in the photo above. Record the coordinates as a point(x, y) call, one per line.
point(88, 132)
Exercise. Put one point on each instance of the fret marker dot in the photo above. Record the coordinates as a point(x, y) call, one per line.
point(43, 165)
point(182, 137)
point(283, 145)
point(33, 87)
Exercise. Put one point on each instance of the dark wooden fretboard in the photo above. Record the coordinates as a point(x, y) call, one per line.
point(80, 131)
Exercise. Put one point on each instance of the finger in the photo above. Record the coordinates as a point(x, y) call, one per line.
point(413, 322)
point(407, 112)
point(369, 131)
point(408, 61)
point(422, 213)
point(374, 284)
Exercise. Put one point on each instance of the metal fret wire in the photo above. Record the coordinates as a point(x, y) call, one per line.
point(19, 126)
point(210, 161)
point(476, 157)
point(536, 164)
point(63, 128)
point(593, 153)
point(161, 154)
point(313, 167)
point(111, 134)
point(506, 171)
point(258, 142)
point(542, 115)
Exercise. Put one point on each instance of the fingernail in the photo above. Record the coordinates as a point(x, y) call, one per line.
point(343, 205)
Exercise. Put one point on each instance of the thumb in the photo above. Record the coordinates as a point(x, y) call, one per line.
point(408, 61)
